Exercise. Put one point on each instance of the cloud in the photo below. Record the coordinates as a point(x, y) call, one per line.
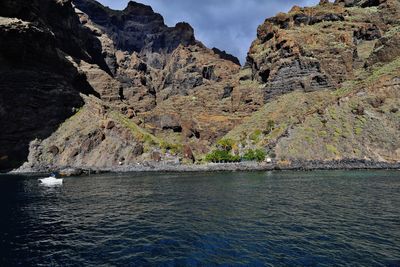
point(230, 25)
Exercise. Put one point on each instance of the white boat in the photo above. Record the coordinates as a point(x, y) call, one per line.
point(51, 181)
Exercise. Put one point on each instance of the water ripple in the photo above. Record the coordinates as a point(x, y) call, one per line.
point(331, 218)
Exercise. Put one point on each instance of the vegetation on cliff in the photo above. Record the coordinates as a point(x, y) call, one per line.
point(353, 113)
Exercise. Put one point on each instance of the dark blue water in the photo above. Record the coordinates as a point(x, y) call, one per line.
point(334, 218)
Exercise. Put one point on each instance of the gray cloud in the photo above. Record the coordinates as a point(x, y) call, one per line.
point(227, 24)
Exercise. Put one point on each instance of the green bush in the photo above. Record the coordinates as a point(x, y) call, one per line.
point(221, 156)
point(258, 155)
point(173, 148)
point(332, 149)
point(270, 127)
point(226, 144)
point(255, 135)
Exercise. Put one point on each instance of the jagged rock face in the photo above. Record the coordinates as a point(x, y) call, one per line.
point(158, 79)
point(86, 139)
point(281, 59)
point(313, 49)
point(226, 56)
point(186, 70)
point(60, 19)
point(191, 67)
point(137, 28)
point(362, 3)
point(151, 61)
point(158, 92)
point(39, 85)
point(352, 109)
point(138, 67)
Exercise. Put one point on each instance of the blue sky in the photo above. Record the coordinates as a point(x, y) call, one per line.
point(230, 25)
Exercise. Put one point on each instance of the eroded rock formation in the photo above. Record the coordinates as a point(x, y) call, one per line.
point(38, 83)
point(330, 76)
point(138, 67)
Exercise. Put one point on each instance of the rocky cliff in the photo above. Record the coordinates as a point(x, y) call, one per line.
point(330, 77)
point(156, 88)
point(39, 86)
point(86, 86)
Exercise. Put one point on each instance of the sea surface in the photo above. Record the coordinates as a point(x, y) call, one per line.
point(321, 218)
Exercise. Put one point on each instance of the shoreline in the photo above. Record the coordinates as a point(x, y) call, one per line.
point(215, 167)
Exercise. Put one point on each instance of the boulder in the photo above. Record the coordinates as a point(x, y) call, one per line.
point(188, 153)
point(54, 150)
point(68, 172)
point(109, 124)
point(156, 156)
point(130, 113)
point(138, 150)
point(227, 92)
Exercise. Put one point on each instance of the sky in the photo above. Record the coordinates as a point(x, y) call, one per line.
point(229, 25)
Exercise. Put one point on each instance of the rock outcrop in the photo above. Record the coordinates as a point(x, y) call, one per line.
point(137, 28)
point(139, 68)
point(317, 48)
point(330, 75)
point(39, 85)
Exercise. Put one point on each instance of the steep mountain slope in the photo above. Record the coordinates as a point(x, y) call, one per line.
point(330, 75)
point(39, 87)
point(86, 86)
point(148, 77)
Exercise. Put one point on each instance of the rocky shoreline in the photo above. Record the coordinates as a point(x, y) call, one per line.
point(218, 167)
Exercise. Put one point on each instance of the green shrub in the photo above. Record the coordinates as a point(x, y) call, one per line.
point(226, 144)
point(255, 135)
point(358, 130)
point(270, 127)
point(258, 155)
point(323, 133)
point(219, 155)
point(332, 149)
point(148, 139)
point(173, 148)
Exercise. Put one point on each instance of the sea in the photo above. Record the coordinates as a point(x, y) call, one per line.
point(278, 218)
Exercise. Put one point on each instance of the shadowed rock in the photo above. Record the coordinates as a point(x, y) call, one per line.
point(39, 85)
point(137, 28)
